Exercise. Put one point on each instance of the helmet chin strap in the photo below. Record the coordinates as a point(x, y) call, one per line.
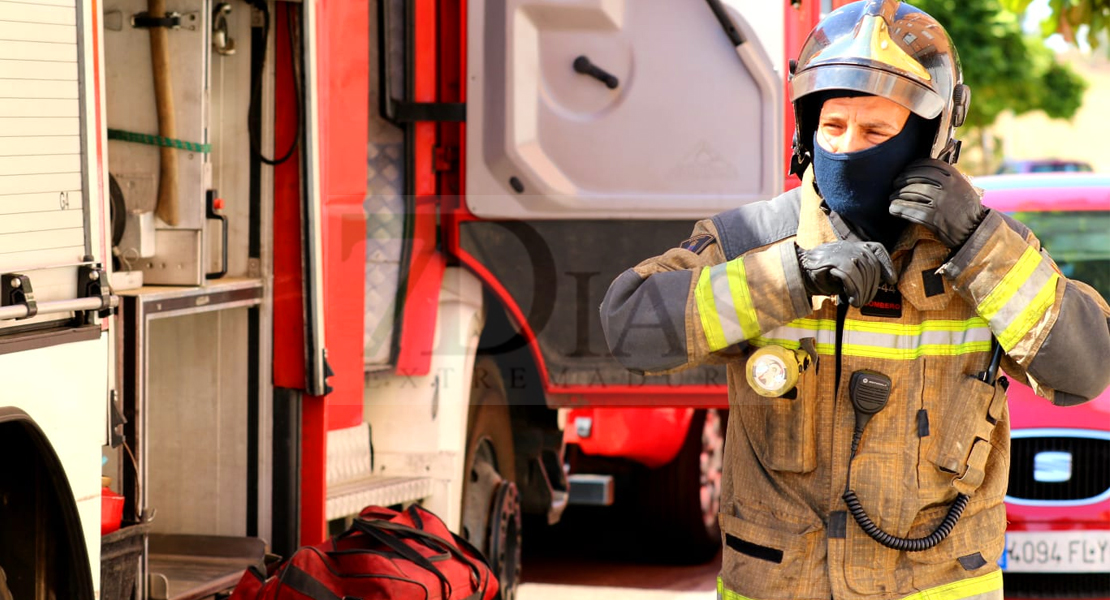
point(951, 152)
point(800, 159)
point(961, 100)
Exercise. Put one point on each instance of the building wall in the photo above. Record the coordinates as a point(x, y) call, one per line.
point(1034, 135)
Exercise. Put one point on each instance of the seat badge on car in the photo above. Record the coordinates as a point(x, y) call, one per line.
point(1052, 467)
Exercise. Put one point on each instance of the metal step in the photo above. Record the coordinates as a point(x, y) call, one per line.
point(191, 567)
point(347, 498)
point(591, 490)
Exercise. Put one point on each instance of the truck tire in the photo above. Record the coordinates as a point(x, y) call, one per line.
point(681, 499)
point(491, 515)
point(5, 593)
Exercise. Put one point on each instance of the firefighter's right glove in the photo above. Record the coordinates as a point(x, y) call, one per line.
point(853, 269)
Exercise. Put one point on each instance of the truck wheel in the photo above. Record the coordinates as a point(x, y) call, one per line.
point(682, 498)
point(5, 593)
point(491, 515)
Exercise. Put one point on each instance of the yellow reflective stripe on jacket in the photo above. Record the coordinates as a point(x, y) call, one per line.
point(984, 587)
point(1030, 314)
point(885, 340)
point(1019, 301)
point(742, 298)
point(724, 593)
point(725, 305)
point(707, 310)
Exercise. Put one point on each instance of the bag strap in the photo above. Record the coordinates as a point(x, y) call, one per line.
point(435, 543)
point(378, 512)
point(478, 583)
point(405, 551)
point(474, 568)
point(414, 513)
point(301, 582)
point(430, 540)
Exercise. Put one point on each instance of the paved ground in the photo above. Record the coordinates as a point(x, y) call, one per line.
point(595, 559)
point(545, 591)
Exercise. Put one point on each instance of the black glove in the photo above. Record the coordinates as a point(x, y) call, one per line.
point(852, 268)
point(933, 193)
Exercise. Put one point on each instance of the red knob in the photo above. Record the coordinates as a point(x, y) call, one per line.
point(218, 204)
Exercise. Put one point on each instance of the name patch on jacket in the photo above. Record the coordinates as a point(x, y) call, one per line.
point(697, 243)
point(887, 304)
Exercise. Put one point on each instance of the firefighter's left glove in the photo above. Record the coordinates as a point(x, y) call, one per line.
point(852, 269)
point(935, 194)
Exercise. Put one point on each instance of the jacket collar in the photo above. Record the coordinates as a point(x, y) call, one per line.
point(814, 226)
point(917, 252)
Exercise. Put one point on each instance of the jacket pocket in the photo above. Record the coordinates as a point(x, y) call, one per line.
point(761, 561)
point(970, 550)
point(783, 430)
point(960, 421)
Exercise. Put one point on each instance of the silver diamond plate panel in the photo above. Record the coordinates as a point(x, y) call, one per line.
point(348, 454)
point(385, 210)
point(351, 497)
point(385, 222)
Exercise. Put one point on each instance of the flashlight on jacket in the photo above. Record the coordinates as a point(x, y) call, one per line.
point(773, 370)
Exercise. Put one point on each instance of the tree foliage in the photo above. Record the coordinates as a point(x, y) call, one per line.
point(1068, 16)
point(1005, 69)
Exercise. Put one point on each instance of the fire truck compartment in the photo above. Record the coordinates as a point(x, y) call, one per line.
point(538, 127)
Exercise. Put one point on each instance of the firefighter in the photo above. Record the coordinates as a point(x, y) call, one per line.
point(862, 318)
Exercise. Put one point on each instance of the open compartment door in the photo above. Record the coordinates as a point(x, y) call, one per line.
point(590, 109)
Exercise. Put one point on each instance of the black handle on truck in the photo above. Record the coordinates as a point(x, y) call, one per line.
point(584, 66)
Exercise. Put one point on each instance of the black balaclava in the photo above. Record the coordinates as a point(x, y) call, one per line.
point(857, 185)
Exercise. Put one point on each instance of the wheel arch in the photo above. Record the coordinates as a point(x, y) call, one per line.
point(537, 435)
point(31, 453)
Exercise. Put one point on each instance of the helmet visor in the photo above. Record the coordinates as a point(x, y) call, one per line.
point(919, 99)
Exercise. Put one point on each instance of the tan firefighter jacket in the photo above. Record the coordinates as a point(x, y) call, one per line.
point(735, 286)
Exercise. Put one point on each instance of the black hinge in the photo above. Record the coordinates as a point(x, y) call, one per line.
point(116, 420)
point(91, 283)
point(16, 289)
point(411, 112)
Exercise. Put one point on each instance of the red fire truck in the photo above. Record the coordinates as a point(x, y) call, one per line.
point(512, 175)
point(353, 255)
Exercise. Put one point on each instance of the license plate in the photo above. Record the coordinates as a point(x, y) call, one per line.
point(1057, 552)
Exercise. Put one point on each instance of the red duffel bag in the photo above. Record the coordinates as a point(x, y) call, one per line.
point(384, 555)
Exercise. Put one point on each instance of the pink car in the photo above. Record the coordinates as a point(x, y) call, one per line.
point(1058, 502)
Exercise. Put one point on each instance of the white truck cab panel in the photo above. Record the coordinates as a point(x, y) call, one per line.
point(601, 109)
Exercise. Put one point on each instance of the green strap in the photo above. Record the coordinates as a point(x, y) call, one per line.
point(157, 140)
